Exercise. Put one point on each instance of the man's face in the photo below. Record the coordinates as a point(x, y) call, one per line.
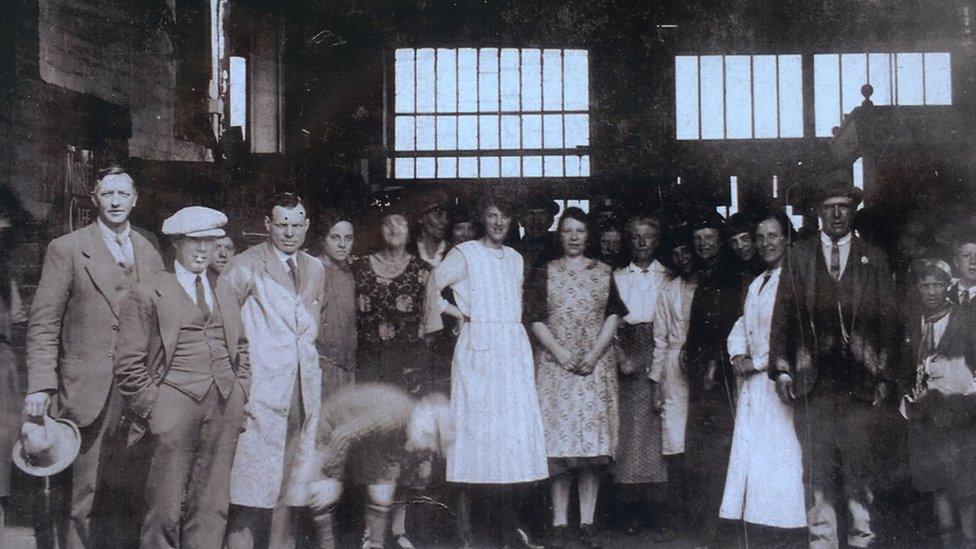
point(463, 231)
point(195, 254)
point(964, 262)
point(743, 246)
point(115, 196)
point(339, 241)
point(643, 241)
point(932, 292)
point(836, 214)
point(610, 243)
point(771, 242)
point(537, 223)
point(496, 224)
point(396, 231)
point(434, 223)
point(682, 258)
point(224, 250)
point(707, 243)
point(287, 228)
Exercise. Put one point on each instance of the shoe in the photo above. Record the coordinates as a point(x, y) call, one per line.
point(402, 541)
point(558, 537)
point(521, 538)
point(589, 537)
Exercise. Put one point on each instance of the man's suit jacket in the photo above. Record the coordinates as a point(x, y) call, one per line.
point(74, 321)
point(152, 315)
point(794, 333)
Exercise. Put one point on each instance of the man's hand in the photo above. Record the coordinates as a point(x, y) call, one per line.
point(742, 364)
point(628, 367)
point(323, 493)
point(657, 398)
point(882, 392)
point(708, 380)
point(784, 388)
point(36, 404)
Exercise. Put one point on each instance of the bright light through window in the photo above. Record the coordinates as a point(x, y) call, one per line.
point(491, 113)
point(238, 93)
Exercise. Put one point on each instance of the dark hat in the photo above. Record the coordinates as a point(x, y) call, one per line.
point(540, 201)
point(678, 236)
point(739, 223)
point(707, 220)
point(436, 200)
point(834, 187)
point(462, 212)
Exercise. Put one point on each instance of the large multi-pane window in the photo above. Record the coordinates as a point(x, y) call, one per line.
point(490, 113)
point(897, 79)
point(738, 96)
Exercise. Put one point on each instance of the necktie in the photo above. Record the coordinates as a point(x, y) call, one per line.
point(765, 280)
point(127, 261)
point(201, 297)
point(835, 260)
point(964, 297)
point(293, 270)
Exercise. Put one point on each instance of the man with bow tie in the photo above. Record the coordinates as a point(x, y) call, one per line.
point(963, 289)
point(74, 325)
point(182, 366)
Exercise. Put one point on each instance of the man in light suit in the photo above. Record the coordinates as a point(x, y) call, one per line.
point(280, 289)
point(74, 324)
point(831, 352)
point(182, 367)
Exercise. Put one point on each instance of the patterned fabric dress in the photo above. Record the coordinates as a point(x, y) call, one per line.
point(579, 412)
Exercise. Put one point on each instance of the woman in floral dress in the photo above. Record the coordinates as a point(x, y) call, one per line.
point(573, 305)
point(391, 289)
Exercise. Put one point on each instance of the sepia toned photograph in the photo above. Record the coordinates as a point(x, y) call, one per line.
point(520, 274)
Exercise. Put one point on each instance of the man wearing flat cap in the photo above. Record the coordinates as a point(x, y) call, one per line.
point(830, 355)
point(538, 245)
point(181, 364)
point(74, 325)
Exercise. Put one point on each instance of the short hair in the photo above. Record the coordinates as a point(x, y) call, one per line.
point(235, 236)
point(330, 218)
point(576, 213)
point(962, 237)
point(113, 169)
point(739, 223)
point(642, 219)
point(286, 200)
point(785, 225)
point(504, 202)
point(924, 267)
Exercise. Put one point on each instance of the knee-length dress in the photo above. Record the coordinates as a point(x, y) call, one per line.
point(579, 412)
point(499, 436)
point(764, 482)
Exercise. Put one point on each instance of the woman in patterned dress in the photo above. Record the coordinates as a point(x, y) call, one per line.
point(391, 289)
point(574, 308)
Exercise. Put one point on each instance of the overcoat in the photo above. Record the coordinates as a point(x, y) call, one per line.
point(281, 324)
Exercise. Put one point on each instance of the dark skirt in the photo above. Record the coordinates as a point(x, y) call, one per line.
point(639, 457)
point(942, 449)
point(13, 387)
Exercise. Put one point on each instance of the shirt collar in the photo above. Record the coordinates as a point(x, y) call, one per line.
point(109, 234)
point(282, 256)
point(186, 278)
point(826, 241)
point(441, 250)
point(654, 266)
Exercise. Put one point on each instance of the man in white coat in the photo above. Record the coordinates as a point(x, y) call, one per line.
point(280, 290)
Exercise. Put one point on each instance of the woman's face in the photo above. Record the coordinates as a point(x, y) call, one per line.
point(771, 242)
point(462, 232)
point(396, 231)
point(497, 224)
point(338, 242)
point(572, 235)
point(932, 292)
point(683, 259)
point(224, 250)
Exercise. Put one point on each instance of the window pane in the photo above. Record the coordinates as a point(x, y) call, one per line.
point(577, 130)
point(712, 97)
point(509, 77)
point(425, 133)
point(764, 95)
point(467, 83)
point(404, 75)
point(404, 168)
point(467, 133)
point(585, 166)
point(511, 166)
point(879, 76)
point(826, 93)
point(938, 79)
point(446, 168)
point(572, 166)
point(686, 96)
point(489, 166)
point(467, 167)
point(488, 132)
point(403, 131)
point(446, 133)
point(511, 132)
point(488, 80)
point(426, 82)
point(446, 80)
point(738, 100)
point(908, 74)
point(552, 137)
point(532, 80)
point(238, 93)
point(531, 131)
point(553, 166)
point(532, 166)
point(552, 80)
point(853, 75)
point(426, 168)
point(576, 80)
point(790, 96)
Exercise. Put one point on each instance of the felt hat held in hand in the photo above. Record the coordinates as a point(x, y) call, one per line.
point(46, 447)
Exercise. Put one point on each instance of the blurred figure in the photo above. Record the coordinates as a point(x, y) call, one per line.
point(463, 225)
point(337, 339)
point(609, 239)
point(740, 231)
point(432, 235)
point(574, 308)
point(963, 290)
point(538, 245)
point(227, 246)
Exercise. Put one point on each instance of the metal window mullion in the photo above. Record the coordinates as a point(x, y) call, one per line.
point(457, 112)
point(562, 105)
point(437, 110)
point(725, 93)
point(416, 108)
point(477, 108)
point(499, 65)
point(752, 96)
point(925, 100)
point(894, 85)
point(779, 131)
point(867, 68)
point(699, 79)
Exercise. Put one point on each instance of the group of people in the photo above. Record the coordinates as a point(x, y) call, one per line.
point(732, 381)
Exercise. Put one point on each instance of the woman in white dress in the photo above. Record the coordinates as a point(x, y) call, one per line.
point(499, 440)
point(764, 483)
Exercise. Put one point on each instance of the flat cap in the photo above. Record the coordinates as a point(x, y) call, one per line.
point(195, 221)
point(837, 187)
